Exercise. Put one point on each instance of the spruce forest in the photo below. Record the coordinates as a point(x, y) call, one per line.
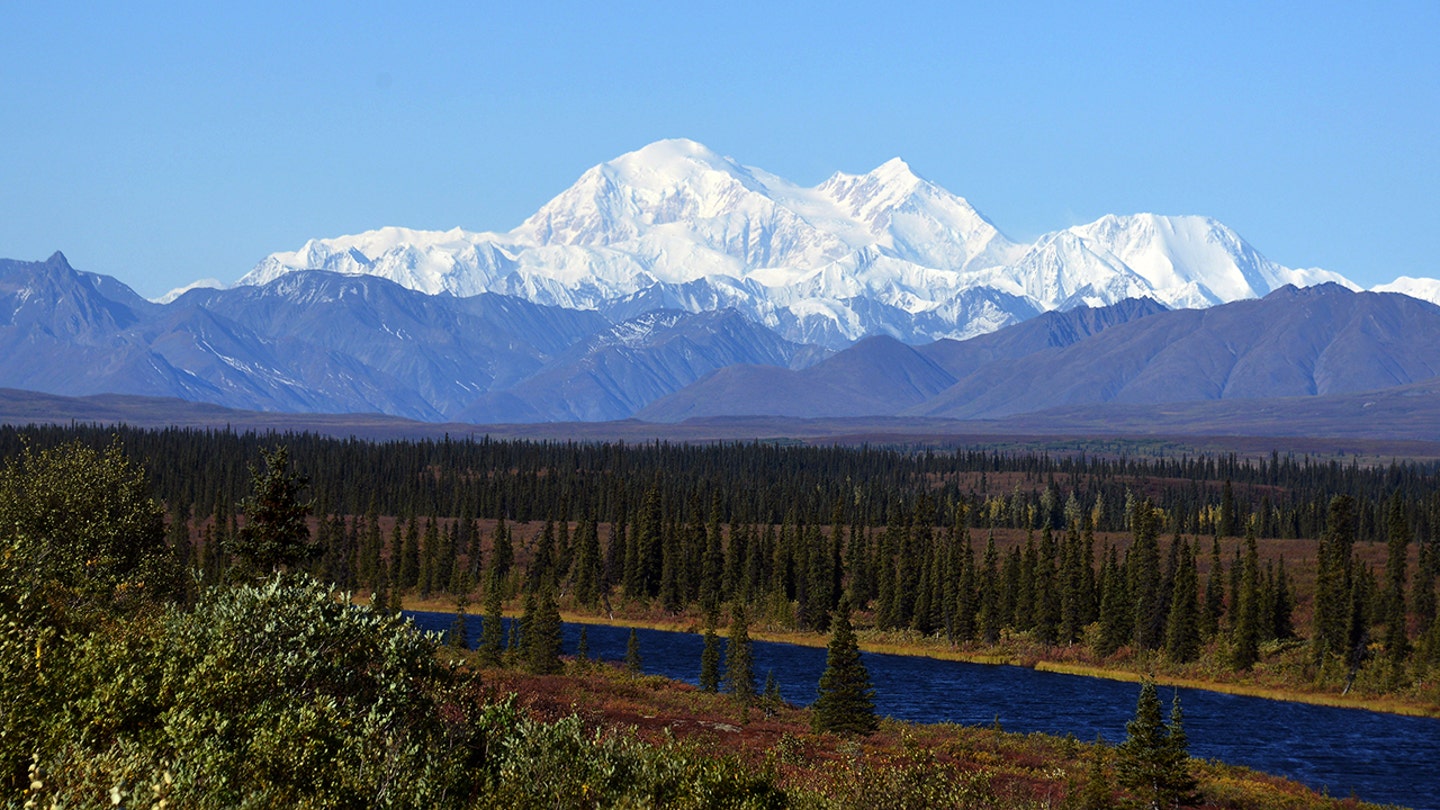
point(1324, 568)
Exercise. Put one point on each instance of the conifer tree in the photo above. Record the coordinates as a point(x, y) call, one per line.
point(739, 661)
point(587, 563)
point(1144, 580)
point(276, 535)
point(542, 637)
point(582, 645)
point(990, 618)
point(1422, 589)
point(633, 662)
point(1182, 631)
point(1153, 762)
point(846, 703)
point(1214, 593)
point(710, 660)
point(1245, 635)
point(1397, 639)
point(713, 574)
point(1333, 586)
point(770, 697)
point(502, 553)
point(1281, 625)
point(1116, 622)
point(458, 636)
point(492, 629)
point(542, 562)
point(407, 569)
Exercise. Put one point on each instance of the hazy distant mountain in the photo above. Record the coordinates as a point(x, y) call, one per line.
point(615, 372)
point(309, 342)
point(1292, 343)
point(880, 376)
point(675, 225)
point(324, 342)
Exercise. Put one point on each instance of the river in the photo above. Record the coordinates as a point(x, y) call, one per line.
point(1378, 757)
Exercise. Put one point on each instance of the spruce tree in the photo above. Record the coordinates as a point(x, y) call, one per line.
point(543, 636)
point(1214, 593)
point(276, 535)
point(1397, 639)
point(710, 660)
point(1245, 636)
point(459, 634)
point(1182, 632)
point(846, 703)
point(582, 645)
point(633, 663)
point(1153, 762)
point(739, 661)
point(587, 563)
point(492, 630)
point(1115, 616)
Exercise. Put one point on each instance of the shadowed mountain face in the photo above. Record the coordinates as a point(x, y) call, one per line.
point(880, 376)
point(1294, 342)
point(321, 342)
point(615, 372)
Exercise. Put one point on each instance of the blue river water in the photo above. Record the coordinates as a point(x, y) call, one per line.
point(1377, 757)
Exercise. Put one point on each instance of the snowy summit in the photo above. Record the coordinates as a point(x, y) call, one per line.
point(886, 252)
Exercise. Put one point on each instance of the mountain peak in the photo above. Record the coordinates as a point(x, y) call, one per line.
point(58, 261)
point(895, 170)
point(674, 160)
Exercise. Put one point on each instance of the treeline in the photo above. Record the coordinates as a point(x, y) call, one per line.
point(789, 531)
point(206, 472)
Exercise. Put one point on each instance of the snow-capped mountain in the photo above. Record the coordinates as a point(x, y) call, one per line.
point(675, 224)
point(1426, 289)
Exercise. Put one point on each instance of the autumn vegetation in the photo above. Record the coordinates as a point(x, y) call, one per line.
point(246, 649)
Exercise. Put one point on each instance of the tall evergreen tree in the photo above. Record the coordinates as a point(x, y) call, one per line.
point(1144, 580)
point(739, 659)
point(1245, 635)
point(1153, 762)
point(492, 629)
point(502, 553)
point(1116, 617)
point(407, 568)
point(846, 703)
point(542, 636)
point(710, 659)
point(1333, 587)
point(633, 663)
point(1397, 638)
point(1214, 593)
point(1182, 631)
point(587, 563)
point(276, 535)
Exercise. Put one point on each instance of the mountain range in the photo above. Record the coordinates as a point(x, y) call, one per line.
point(321, 342)
point(676, 225)
point(675, 284)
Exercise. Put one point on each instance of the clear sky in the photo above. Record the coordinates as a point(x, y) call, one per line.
point(165, 142)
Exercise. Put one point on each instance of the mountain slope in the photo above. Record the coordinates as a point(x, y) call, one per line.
point(615, 372)
point(675, 224)
point(880, 376)
point(308, 342)
point(1294, 342)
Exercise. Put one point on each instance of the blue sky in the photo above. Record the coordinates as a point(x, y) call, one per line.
point(162, 145)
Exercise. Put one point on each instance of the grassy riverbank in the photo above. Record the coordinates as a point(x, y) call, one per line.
point(901, 765)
